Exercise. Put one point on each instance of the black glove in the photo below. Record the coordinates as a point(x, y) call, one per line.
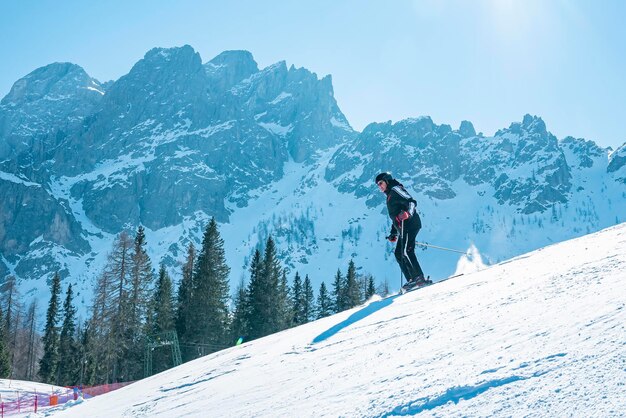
point(392, 238)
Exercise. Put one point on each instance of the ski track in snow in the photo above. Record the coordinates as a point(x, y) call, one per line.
point(542, 335)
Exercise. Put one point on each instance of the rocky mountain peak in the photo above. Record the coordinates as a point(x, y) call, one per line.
point(42, 107)
point(617, 163)
point(327, 83)
point(241, 61)
point(222, 120)
point(160, 69)
point(467, 129)
point(530, 126)
point(165, 75)
point(534, 124)
point(177, 56)
point(229, 68)
point(422, 123)
point(583, 152)
point(53, 82)
point(537, 175)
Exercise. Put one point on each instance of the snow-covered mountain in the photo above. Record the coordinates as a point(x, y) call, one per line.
point(540, 335)
point(268, 151)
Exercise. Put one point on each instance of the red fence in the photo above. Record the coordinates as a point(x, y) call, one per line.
point(91, 391)
point(32, 401)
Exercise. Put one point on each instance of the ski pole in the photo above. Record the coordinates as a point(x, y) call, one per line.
point(425, 244)
point(400, 243)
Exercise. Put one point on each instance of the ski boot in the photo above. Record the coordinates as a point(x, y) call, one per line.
point(416, 283)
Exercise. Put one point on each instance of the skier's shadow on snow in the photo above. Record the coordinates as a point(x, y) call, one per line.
point(355, 317)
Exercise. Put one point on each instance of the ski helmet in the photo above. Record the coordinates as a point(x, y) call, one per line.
point(386, 177)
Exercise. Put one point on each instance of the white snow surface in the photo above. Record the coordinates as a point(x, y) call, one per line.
point(15, 179)
point(282, 96)
point(339, 124)
point(541, 335)
point(276, 128)
point(10, 389)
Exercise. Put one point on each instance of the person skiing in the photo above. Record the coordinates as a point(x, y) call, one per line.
point(405, 224)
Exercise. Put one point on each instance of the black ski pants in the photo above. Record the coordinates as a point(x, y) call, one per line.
point(405, 250)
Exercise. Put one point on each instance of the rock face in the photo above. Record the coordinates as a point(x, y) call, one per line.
point(215, 131)
point(171, 130)
point(617, 164)
point(40, 111)
point(176, 141)
point(37, 115)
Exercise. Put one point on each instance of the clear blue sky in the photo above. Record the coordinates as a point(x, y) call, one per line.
point(487, 61)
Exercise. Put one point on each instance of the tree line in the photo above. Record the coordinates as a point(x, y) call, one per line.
point(135, 313)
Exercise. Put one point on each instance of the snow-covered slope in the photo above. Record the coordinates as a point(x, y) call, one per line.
point(542, 334)
point(10, 389)
point(19, 397)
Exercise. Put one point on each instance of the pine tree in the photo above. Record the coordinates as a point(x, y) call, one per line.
point(88, 371)
point(135, 309)
point(324, 305)
point(283, 303)
point(108, 322)
point(162, 303)
point(141, 278)
point(271, 274)
point(69, 360)
point(5, 366)
point(339, 293)
point(353, 293)
point(298, 301)
point(49, 362)
point(88, 367)
point(162, 319)
point(371, 288)
point(9, 292)
point(15, 342)
point(383, 289)
point(183, 300)
point(208, 319)
point(100, 327)
point(363, 283)
point(264, 314)
point(308, 299)
point(123, 321)
point(31, 355)
point(13, 310)
point(256, 303)
point(120, 268)
point(239, 323)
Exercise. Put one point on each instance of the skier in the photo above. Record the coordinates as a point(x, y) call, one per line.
point(406, 223)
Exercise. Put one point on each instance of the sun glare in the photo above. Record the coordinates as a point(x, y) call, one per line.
point(515, 20)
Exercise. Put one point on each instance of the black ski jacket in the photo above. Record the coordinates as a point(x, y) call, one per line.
point(398, 200)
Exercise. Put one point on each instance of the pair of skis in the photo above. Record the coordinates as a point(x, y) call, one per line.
point(405, 289)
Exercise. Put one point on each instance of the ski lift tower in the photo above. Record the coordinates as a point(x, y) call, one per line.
point(159, 340)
